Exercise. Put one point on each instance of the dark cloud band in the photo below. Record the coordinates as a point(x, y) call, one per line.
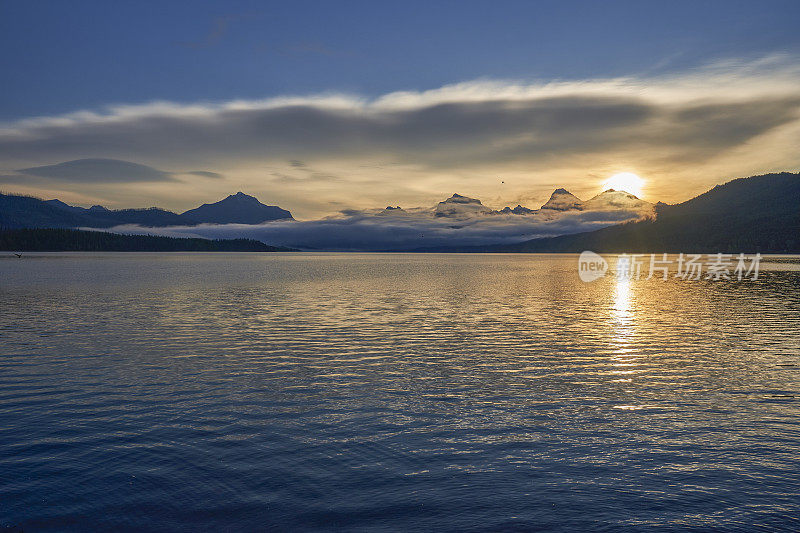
point(439, 136)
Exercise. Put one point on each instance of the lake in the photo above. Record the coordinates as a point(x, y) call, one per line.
point(393, 392)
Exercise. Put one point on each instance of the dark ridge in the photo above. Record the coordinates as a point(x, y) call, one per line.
point(20, 211)
point(70, 240)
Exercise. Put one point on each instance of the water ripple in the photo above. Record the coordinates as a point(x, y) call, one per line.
point(185, 392)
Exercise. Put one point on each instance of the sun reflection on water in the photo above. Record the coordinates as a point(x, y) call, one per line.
point(622, 313)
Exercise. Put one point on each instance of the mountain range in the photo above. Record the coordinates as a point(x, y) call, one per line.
point(561, 201)
point(28, 212)
point(746, 215)
point(756, 214)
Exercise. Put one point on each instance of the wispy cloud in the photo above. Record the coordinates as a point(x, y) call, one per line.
point(94, 170)
point(205, 174)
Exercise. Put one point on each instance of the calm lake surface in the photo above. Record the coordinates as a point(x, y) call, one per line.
point(390, 392)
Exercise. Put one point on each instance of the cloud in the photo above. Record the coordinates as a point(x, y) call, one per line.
point(205, 174)
point(727, 120)
point(98, 170)
point(357, 231)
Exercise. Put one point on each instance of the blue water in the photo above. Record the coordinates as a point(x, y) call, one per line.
point(393, 392)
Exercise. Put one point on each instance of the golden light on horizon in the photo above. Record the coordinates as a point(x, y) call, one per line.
point(625, 181)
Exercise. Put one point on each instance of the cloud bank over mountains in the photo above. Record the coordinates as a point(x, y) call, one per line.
point(504, 141)
point(456, 221)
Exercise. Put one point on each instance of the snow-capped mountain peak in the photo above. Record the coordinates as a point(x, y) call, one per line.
point(611, 199)
point(563, 200)
point(458, 206)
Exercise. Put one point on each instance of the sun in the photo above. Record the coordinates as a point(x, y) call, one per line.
point(625, 181)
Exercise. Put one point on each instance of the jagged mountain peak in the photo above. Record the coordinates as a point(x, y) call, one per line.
point(458, 206)
point(459, 199)
point(519, 210)
point(563, 200)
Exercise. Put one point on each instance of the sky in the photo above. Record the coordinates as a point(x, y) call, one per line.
point(324, 106)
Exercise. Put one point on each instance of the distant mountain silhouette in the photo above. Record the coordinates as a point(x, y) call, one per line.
point(27, 212)
point(63, 205)
point(150, 217)
point(70, 240)
point(237, 208)
point(756, 214)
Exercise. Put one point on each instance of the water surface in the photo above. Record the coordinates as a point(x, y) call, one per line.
point(386, 392)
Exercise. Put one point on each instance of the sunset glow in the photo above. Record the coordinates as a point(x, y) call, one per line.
point(625, 181)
